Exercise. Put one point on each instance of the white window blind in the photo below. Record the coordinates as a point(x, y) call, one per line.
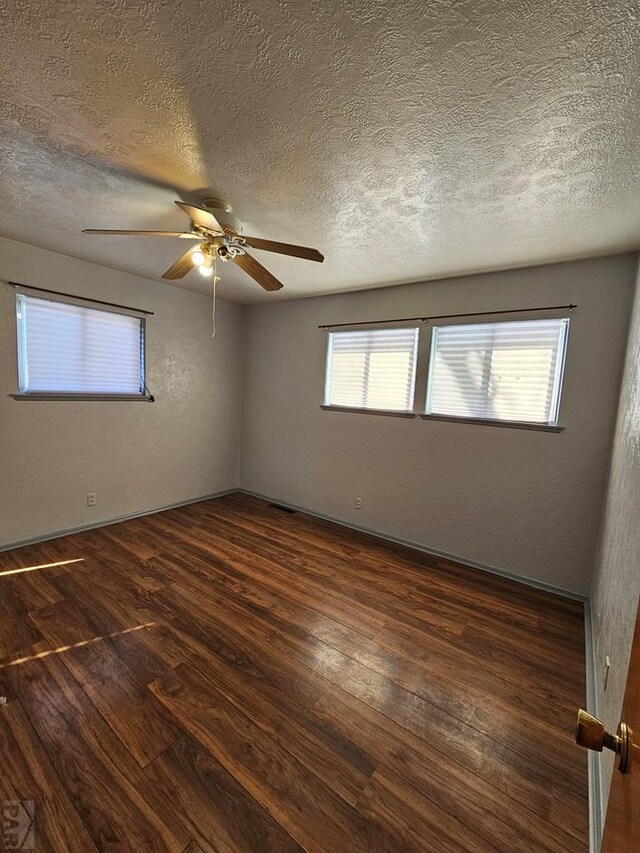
point(508, 371)
point(373, 369)
point(68, 348)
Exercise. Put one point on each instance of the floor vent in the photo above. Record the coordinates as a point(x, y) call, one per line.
point(283, 508)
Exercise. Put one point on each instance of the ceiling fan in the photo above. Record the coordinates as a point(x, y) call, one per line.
point(218, 241)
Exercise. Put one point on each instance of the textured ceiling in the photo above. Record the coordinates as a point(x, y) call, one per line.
point(405, 139)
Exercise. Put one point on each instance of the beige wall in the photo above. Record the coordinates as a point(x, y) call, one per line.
point(135, 456)
point(616, 585)
point(525, 502)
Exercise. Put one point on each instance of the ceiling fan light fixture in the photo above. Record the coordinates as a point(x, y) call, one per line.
point(206, 271)
point(198, 257)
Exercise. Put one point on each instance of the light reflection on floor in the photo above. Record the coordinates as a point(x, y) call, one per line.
point(60, 649)
point(43, 566)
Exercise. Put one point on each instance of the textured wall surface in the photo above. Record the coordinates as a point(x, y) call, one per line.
point(404, 139)
point(523, 501)
point(134, 455)
point(616, 586)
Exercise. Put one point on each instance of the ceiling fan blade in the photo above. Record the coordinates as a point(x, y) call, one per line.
point(257, 272)
point(184, 234)
point(201, 217)
point(284, 248)
point(182, 266)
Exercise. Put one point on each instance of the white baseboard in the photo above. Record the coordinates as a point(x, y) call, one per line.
point(57, 534)
point(596, 806)
point(416, 546)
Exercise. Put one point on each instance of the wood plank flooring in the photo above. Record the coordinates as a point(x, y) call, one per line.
point(231, 677)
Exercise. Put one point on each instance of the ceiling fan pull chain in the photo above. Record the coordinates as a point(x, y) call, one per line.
point(213, 306)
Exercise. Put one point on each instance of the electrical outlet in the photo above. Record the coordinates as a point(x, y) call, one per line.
point(358, 503)
point(91, 498)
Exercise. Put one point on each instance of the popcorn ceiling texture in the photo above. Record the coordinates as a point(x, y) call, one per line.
point(406, 140)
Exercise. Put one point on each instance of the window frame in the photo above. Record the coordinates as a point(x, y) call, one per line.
point(422, 376)
point(398, 413)
point(558, 386)
point(63, 299)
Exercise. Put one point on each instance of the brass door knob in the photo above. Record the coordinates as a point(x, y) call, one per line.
point(591, 733)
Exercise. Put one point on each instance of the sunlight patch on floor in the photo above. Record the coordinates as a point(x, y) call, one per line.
point(88, 642)
point(43, 566)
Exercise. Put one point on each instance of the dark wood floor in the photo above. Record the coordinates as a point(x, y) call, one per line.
point(227, 676)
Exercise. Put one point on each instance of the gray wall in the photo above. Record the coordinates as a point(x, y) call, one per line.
point(135, 456)
point(521, 501)
point(616, 585)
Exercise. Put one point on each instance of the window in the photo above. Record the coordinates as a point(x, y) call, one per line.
point(372, 370)
point(66, 348)
point(498, 371)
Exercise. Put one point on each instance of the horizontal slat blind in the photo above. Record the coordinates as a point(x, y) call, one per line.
point(68, 348)
point(498, 371)
point(372, 369)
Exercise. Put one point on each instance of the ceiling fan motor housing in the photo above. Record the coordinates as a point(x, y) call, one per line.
point(222, 211)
